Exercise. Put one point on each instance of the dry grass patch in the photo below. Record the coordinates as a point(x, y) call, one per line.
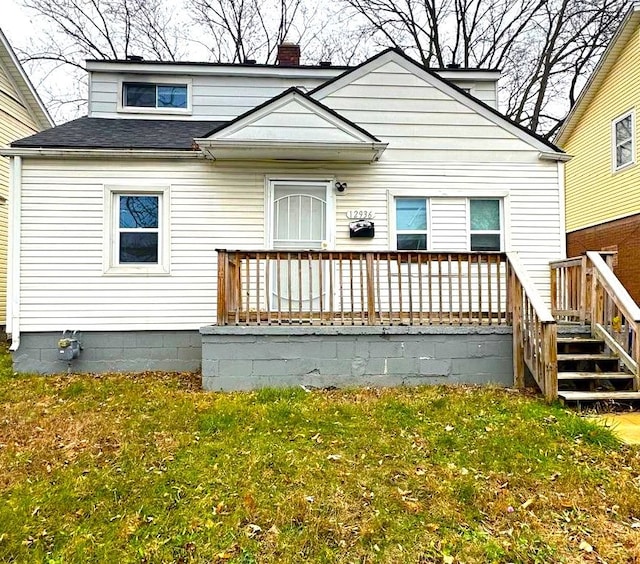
point(149, 469)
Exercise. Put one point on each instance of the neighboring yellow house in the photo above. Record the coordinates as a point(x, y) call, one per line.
point(602, 180)
point(22, 113)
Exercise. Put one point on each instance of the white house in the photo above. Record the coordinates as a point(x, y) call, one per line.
point(119, 217)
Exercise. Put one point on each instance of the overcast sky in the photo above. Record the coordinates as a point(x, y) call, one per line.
point(15, 22)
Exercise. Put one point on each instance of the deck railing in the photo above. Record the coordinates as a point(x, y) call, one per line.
point(534, 332)
point(361, 288)
point(571, 290)
point(586, 290)
point(615, 317)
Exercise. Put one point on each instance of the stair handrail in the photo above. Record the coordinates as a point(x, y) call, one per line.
point(535, 331)
point(603, 315)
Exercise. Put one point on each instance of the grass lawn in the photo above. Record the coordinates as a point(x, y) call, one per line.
point(150, 469)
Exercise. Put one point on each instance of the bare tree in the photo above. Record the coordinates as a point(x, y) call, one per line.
point(237, 30)
point(544, 47)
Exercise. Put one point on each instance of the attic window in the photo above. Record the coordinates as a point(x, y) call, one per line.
point(623, 141)
point(150, 95)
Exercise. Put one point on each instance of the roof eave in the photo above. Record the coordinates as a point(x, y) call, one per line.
point(27, 89)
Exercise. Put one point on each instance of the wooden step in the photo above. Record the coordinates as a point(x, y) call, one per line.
point(594, 376)
point(572, 340)
point(596, 396)
point(587, 356)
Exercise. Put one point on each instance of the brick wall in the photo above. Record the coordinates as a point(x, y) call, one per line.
point(622, 235)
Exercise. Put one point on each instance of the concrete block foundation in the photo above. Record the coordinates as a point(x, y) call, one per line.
point(244, 358)
point(112, 351)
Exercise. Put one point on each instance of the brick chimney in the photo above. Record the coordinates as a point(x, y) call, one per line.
point(288, 55)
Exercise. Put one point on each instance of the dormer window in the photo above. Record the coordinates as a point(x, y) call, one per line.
point(148, 95)
point(155, 95)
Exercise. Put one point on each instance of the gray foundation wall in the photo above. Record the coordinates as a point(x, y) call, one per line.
point(240, 358)
point(112, 351)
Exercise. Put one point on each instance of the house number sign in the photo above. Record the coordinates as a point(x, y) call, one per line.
point(361, 214)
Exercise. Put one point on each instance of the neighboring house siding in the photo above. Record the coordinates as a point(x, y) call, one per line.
point(217, 206)
point(622, 236)
point(15, 122)
point(594, 193)
point(421, 122)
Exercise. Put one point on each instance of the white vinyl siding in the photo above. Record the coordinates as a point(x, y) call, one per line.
point(215, 206)
point(215, 98)
point(422, 122)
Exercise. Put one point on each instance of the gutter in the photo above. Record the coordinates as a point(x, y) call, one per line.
point(43, 152)
point(13, 259)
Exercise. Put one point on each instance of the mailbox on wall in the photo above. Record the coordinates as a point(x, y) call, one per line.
point(362, 229)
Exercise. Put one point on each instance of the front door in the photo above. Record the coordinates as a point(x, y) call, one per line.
point(299, 212)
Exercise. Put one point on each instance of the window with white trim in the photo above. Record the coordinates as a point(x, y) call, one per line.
point(412, 231)
point(485, 224)
point(151, 95)
point(623, 141)
point(138, 235)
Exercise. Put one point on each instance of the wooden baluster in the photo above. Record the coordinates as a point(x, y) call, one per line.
point(518, 336)
point(379, 288)
point(450, 289)
point(490, 288)
point(389, 289)
point(332, 274)
point(430, 282)
point(279, 285)
point(309, 261)
point(501, 313)
point(351, 292)
point(258, 312)
point(363, 300)
point(400, 293)
point(410, 287)
point(222, 313)
point(341, 288)
point(420, 283)
point(440, 304)
point(321, 286)
point(459, 278)
point(480, 312)
point(470, 286)
point(371, 299)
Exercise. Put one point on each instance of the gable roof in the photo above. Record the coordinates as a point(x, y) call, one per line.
point(619, 41)
point(292, 126)
point(107, 133)
point(30, 97)
point(443, 84)
point(290, 94)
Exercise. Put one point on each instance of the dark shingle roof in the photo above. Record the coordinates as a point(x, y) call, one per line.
point(103, 133)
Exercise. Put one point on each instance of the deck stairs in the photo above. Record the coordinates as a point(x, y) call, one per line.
point(588, 371)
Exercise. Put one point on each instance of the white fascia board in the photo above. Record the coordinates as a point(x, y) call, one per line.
point(43, 152)
point(444, 87)
point(599, 74)
point(23, 84)
point(551, 156)
point(330, 118)
point(322, 73)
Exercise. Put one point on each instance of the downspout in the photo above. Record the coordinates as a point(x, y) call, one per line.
point(13, 258)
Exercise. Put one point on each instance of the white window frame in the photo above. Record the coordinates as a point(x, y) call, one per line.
point(393, 228)
point(501, 232)
point(111, 251)
point(615, 144)
point(156, 80)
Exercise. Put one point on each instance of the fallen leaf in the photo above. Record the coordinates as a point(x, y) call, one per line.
point(449, 428)
point(527, 503)
point(447, 559)
point(584, 545)
point(334, 457)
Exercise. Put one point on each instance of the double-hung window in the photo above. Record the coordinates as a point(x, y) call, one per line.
point(485, 224)
point(412, 233)
point(137, 241)
point(623, 141)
